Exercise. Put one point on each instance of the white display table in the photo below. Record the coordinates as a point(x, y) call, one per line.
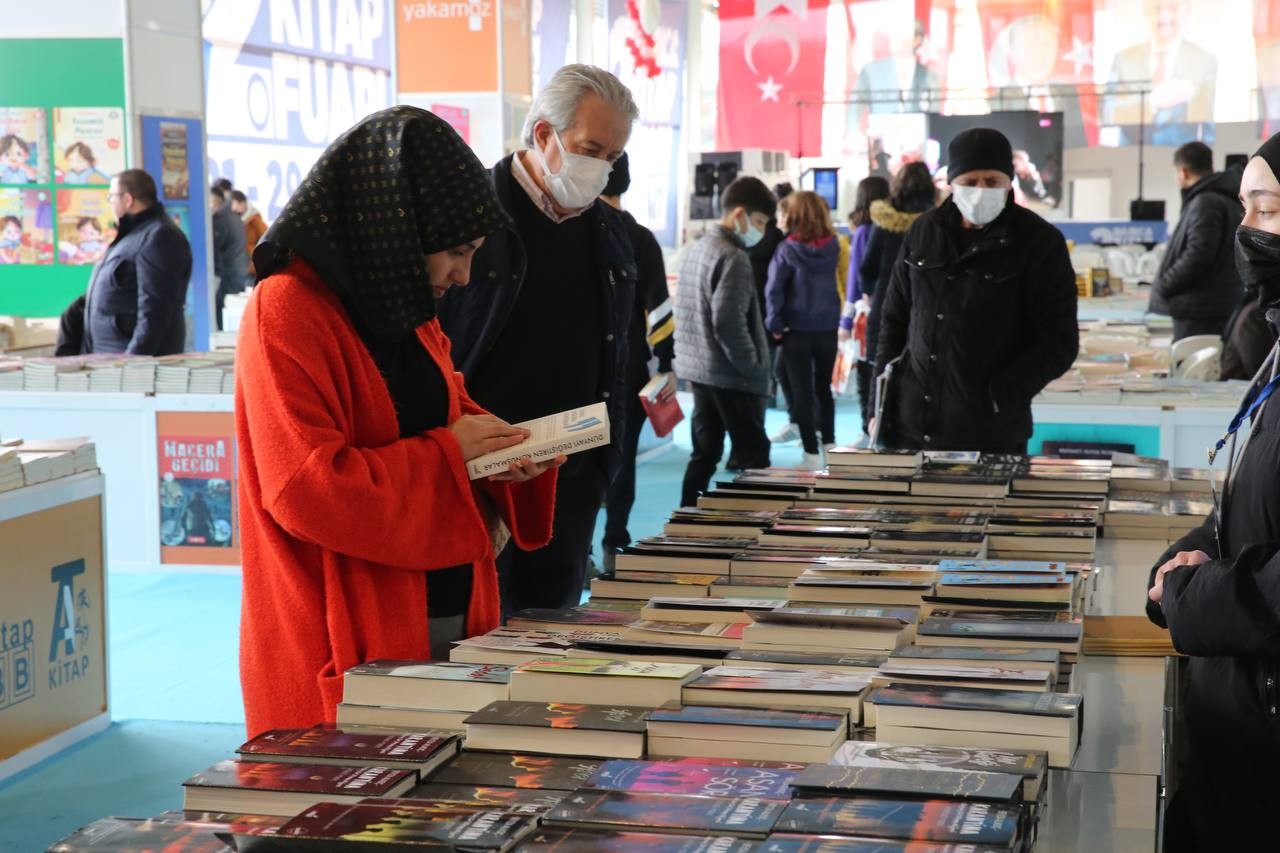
point(53, 616)
point(1182, 434)
point(124, 428)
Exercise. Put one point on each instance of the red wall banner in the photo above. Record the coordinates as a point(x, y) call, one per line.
point(772, 60)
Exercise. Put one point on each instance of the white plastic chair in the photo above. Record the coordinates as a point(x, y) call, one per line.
point(1121, 262)
point(1182, 350)
point(1203, 365)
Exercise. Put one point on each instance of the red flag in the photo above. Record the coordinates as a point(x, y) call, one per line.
point(772, 59)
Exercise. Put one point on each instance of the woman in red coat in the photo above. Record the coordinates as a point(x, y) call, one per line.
point(358, 520)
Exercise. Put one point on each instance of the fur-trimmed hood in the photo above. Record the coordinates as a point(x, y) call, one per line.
point(890, 218)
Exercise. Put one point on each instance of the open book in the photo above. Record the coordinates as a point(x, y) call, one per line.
point(563, 433)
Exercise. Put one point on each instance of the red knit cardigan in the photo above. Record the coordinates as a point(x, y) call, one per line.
point(340, 518)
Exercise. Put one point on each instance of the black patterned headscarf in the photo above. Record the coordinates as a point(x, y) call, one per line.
point(398, 186)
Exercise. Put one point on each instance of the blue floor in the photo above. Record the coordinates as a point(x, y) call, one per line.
point(175, 690)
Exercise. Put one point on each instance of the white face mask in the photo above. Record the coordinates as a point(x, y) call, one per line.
point(979, 205)
point(580, 179)
point(752, 235)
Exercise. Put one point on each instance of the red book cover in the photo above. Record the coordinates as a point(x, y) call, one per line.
point(125, 834)
point(662, 409)
point(464, 828)
point(486, 795)
point(500, 769)
point(372, 747)
point(319, 779)
point(562, 715)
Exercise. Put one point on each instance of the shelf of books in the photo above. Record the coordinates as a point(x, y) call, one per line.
point(53, 620)
point(165, 438)
point(880, 657)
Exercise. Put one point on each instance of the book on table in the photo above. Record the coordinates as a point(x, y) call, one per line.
point(561, 434)
point(823, 588)
point(124, 835)
point(912, 783)
point(253, 787)
point(852, 664)
point(989, 677)
point(848, 538)
point(841, 456)
point(514, 646)
point(826, 628)
point(559, 839)
point(559, 728)
point(570, 619)
point(663, 632)
point(485, 795)
point(596, 682)
point(742, 817)
point(994, 718)
point(745, 586)
point(710, 610)
point(424, 825)
point(516, 770)
point(707, 779)
point(441, 685)
point(778, 726)
point(645, 585)
point(963, 481)
point(353, 716)
point(779, 688)
point(351, 748)
point(1032, 766)
point(1065, 637)
point(906, 820)
point(994, 586)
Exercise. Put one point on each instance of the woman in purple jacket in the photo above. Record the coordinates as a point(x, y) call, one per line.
point(870, 189)
point(802, 310)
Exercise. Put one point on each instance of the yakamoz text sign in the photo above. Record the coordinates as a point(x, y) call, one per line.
point(52, 623)
point(196, 462)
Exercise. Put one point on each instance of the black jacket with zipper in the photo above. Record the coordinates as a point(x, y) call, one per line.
point(980, 333)
point(1197, 277)
point(1225, 614)
point(475, 316)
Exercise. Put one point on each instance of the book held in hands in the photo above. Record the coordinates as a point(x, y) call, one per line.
point(561, 434)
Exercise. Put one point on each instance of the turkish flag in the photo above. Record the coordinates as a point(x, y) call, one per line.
point(772, 60)
point(1010, 28)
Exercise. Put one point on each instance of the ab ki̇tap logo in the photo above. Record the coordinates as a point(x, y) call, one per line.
point(70, 636)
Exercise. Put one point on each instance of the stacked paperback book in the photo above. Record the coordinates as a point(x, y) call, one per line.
point(31, 462)
point(187, 373)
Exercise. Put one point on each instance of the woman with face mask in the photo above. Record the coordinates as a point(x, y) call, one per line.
point(978, 315)
point(358, 519)
point(1217, 589)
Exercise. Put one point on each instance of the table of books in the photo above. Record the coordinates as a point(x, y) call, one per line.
point(791, 666)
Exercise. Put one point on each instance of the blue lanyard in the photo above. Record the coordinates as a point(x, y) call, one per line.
point(1253, 401)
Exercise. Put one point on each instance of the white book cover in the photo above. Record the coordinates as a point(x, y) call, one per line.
point(563, 433)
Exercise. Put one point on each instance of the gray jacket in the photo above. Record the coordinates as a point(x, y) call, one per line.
point(136, 294)
point(722, 340)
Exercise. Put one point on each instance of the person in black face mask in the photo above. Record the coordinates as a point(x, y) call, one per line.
point(1249, 337)
point(1217, 589)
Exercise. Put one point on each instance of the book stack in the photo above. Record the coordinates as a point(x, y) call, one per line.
point(899, 824)
point(284, 789)
point(807, 689)
point(733, 817)
point(422, 752)
point(769, 734)
point(984, 477)
point(72, 380)
point(11, 473)
point(11, 376)
point(415, 695)
point(682, 554)
point(999, 719)
point(139, 376)
point(642, 586)
point(594, 618)
point(558, 728)
point(106, 378)
point(84, 454)
point(718, 523)
point(597, 682)
point(1063, 478)
point(514, 646)
point(41, 374)
point(769, 780)
point(821, 629)
point(41, 467)
point(1009, 631)
point(1037, 533)
point(1126, 636)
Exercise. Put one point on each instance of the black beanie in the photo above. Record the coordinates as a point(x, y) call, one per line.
point(979, 148)
point(619, 178)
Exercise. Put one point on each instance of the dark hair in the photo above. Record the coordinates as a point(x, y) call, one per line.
point(808, 217)
point(138, 184)
point(912, 190)
point(783, 190)
point(218, 192)
point(870, 189)
point(619, 178)
point(750, 193)
point(223, 184)
point(4, 223)
point(83, 150)
point(1195, 157)
point(10, 139)
point(88, 220)
point(236, 195)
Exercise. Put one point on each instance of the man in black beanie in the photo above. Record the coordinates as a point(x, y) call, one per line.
point(979, 315)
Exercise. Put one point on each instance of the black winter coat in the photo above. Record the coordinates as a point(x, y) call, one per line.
point(652, 316)
point(137, 291)
point(1197, 277)
point(230, 258)
point(980, 333)
point(889, 229)
point(1246, 341)
point(475, 316)
point(1225, 614)
point(761, 255)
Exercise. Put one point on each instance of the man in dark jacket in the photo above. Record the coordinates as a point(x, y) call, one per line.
point(136, 294)
point(543, 328)
point(1197, 284)
point(980, 313)
point(722, 348)
point(230, 259)
point(651, 335)
point(1217, 590)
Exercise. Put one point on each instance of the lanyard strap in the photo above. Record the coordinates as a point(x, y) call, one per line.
point(1253, 401)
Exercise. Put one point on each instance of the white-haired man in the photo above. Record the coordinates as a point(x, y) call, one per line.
point(543, 328)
